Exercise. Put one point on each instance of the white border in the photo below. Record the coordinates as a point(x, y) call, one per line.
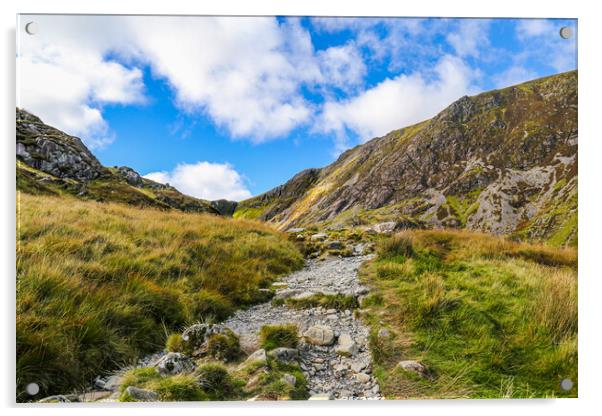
point(590, 124)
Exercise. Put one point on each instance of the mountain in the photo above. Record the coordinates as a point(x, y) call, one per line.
point(51, 162)
point(503, 162)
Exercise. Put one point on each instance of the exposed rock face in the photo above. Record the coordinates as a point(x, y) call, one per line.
point(225, 207)
point(504, 162)
point(280, 198)
point(130, 175)
point(52, 151)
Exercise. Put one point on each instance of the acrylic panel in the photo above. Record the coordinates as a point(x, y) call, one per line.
point(295, 208)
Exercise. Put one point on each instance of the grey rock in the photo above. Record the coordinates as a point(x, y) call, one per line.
point(141, 395)
point(259, 355)
point(334, 245)
point(414, 367)
point(289, 379)
point(174, 363)
point(285, 355)
point(346, 346)
point(295, 230)
point(60, 398)
point(362, 377)
point(319, 237)
point(319, 335)
point(130, 175)
point(385, 227)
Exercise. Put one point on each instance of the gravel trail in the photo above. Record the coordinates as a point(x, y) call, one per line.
point(329, 374)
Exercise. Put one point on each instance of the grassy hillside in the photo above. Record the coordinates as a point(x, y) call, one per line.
point(503, 162)
point(100, 283)
point(488, 317)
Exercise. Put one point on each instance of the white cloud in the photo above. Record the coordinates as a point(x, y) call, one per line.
point(534, 27)
point(342, 66)
point(66, 83)
point(205, 180)
point(513, 75)
point(398, 102)
point(470, 38)
point(246, 74)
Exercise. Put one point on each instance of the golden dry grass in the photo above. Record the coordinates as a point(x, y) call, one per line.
point(98, 284)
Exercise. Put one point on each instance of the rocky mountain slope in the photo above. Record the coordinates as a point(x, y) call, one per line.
point(503, 162)
point(51, 162)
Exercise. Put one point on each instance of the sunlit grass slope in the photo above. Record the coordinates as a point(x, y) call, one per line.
point(488, 317)
point(100, 283)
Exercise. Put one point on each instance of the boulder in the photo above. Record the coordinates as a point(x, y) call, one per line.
point(362, 377)
point(346, 346)
point(289, 379)
point(60, 398)
point(319, 237)
point(285, 355)
point(197, 335)
point(295, 230)
point(319, 335)
point(414, 367)
point(334, 245)
point(112, 383)
point(130, 175)
point(141, 395)
point(385, 227)
point(257, 356)
point(174, 363)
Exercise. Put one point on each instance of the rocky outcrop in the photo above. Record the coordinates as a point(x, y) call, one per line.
point(225, 207)
point(52, 151)
point(50, 161)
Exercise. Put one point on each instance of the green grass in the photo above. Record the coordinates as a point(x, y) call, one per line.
point(98, 284)
point(276, 336)
point(489, 317)
point(337, 301)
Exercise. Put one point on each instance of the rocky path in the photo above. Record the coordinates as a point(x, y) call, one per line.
point(340, 368)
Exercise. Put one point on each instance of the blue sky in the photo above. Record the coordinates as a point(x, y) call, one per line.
point(231, 107)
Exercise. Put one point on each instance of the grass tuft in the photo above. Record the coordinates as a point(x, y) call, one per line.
point(276, 336)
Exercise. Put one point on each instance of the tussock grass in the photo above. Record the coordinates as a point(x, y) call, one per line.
point(276, 336)
point(337, 301)
point(99, 284)
point(490, 317)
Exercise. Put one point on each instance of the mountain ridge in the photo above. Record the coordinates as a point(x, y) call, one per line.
point(503, 161)
point(52, 162)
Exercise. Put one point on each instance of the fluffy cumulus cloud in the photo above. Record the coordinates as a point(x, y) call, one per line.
point(398, 102)
point(205, 180)
point(470, 38)
point(246, 74)
point(66, 80)
point(342, 66)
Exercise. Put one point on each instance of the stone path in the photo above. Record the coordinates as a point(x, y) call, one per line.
point(328, 374)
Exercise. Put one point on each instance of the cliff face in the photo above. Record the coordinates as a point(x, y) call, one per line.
point(504, 162)
point(50, 161)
